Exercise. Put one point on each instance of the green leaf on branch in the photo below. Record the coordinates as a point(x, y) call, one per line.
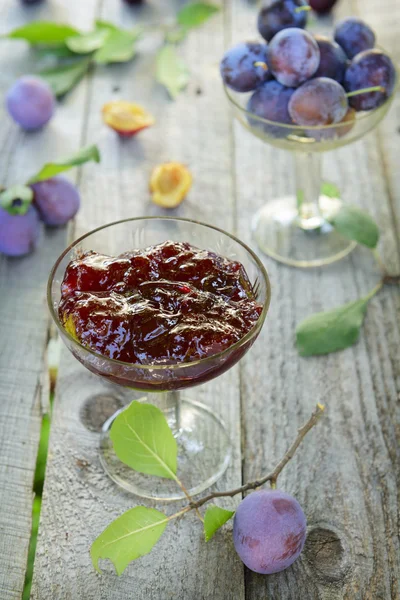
point(172, 72)
point(88, 42)
point(330, 189)
point(214, 518)
point(355, 224)
point(90, 153)
point(63, 78)
point(333, 330)
point(143, 440)
point(196, 13)
point(17, 199)
point(43, 33)
point(129, 537)
point(119, 46)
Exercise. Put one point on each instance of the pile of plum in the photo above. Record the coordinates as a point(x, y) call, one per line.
point(308, 80)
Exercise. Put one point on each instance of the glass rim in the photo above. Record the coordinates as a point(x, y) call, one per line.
point(249, 335)
point(300, 128)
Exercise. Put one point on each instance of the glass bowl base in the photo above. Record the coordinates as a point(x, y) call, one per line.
point(312, 242)
point(204, 453)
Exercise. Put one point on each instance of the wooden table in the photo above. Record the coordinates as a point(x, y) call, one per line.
point(346, 475)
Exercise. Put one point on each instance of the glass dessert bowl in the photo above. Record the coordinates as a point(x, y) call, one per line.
point(296, 229)
point(203, 441)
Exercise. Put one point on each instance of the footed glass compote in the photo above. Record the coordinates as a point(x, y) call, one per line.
point(204, 448)
point(296, 229)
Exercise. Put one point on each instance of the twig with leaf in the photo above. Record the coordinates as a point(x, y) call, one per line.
point(76, 52)
point(143, 441)
point(339, 328)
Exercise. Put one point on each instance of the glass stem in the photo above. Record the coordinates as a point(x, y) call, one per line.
point(170, 403)
point(308, 186)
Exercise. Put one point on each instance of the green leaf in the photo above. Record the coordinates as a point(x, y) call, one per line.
point(355, 224)
point(171, 70)
point(88, 42)
point(55, 52)
point(330, 190)
point(130, 536)
point(214, 518)
point(176, 35)
point(90, 153)
point(196, 13)
point(333, 330)
point(105, 25)
point(143, 440)
point(299, 198)
point(16, 199)
point(43, 32)
point(63, 78)
point(119, 46)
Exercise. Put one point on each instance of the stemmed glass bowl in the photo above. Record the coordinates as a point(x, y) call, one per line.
point(296, 229)
point(204, 448)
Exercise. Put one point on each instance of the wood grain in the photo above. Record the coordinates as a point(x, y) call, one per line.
point(345, 475)
point(23, 311)
point(80, 501)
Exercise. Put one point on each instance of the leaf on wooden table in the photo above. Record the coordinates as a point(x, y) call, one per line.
point(214, 518)
point(355, 224)
point(196, 13)
point(88, 42)
point(63, 78)
point(43, 32)
point(330, 189)
point(333, 330)
point(130, 536)
point(90, 153)
point(143, 440)
point(172, 72)
point(119, 46)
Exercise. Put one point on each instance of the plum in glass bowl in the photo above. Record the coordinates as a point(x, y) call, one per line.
point(161, 305)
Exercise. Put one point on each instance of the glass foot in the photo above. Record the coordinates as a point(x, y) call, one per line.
point(310, 243)
point(204, 452)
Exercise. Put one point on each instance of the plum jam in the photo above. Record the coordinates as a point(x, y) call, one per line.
point(164, 304)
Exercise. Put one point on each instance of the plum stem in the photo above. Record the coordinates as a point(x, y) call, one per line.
point(273, 476)
point(375, 88)
point(306, 7)
point(262, 64)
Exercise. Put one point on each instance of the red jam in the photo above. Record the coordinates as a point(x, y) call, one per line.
point(165, 304)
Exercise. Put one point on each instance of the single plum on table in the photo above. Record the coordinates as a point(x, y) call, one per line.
point(322, 6)
point(333, 60)
point(30, 102)
point(244, 67)
point(368, 69)
point(293, 56)
point(57, 200)
point(19, 234)
point(354, 36)
point(269, 531)
point(318, 102)
point(281, 14)
point(270, 101)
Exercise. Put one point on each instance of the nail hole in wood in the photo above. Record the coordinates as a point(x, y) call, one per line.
point(327, 553)
point(97, 409)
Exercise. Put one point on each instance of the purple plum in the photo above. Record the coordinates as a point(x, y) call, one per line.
point(318, 102)
point(354, 36)
point(368, 69)
point(243, 67)
point(19, 234)
point(270, 101)
point(30, 102)
point(293, 56)
point(281, 14)
point(333, 60)
point(57, 200)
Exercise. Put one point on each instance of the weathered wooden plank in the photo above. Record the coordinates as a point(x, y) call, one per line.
point(23, 312)
point(79, 500)
point(345, 474)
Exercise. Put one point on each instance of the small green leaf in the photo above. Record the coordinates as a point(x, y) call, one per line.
point(214, 518)
point(355, 224)
point(16, 199)
point(119, 46)
point(56, 52)
point(63, 78)
point(333, 330)
point(299, 198)
point(90, 153)
point(105, 25)
point(143, 440)
point(330, 190)
point(129, 537)
point(43, 32)
point(196, 13)
point(171, 70)
point(88, 42)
